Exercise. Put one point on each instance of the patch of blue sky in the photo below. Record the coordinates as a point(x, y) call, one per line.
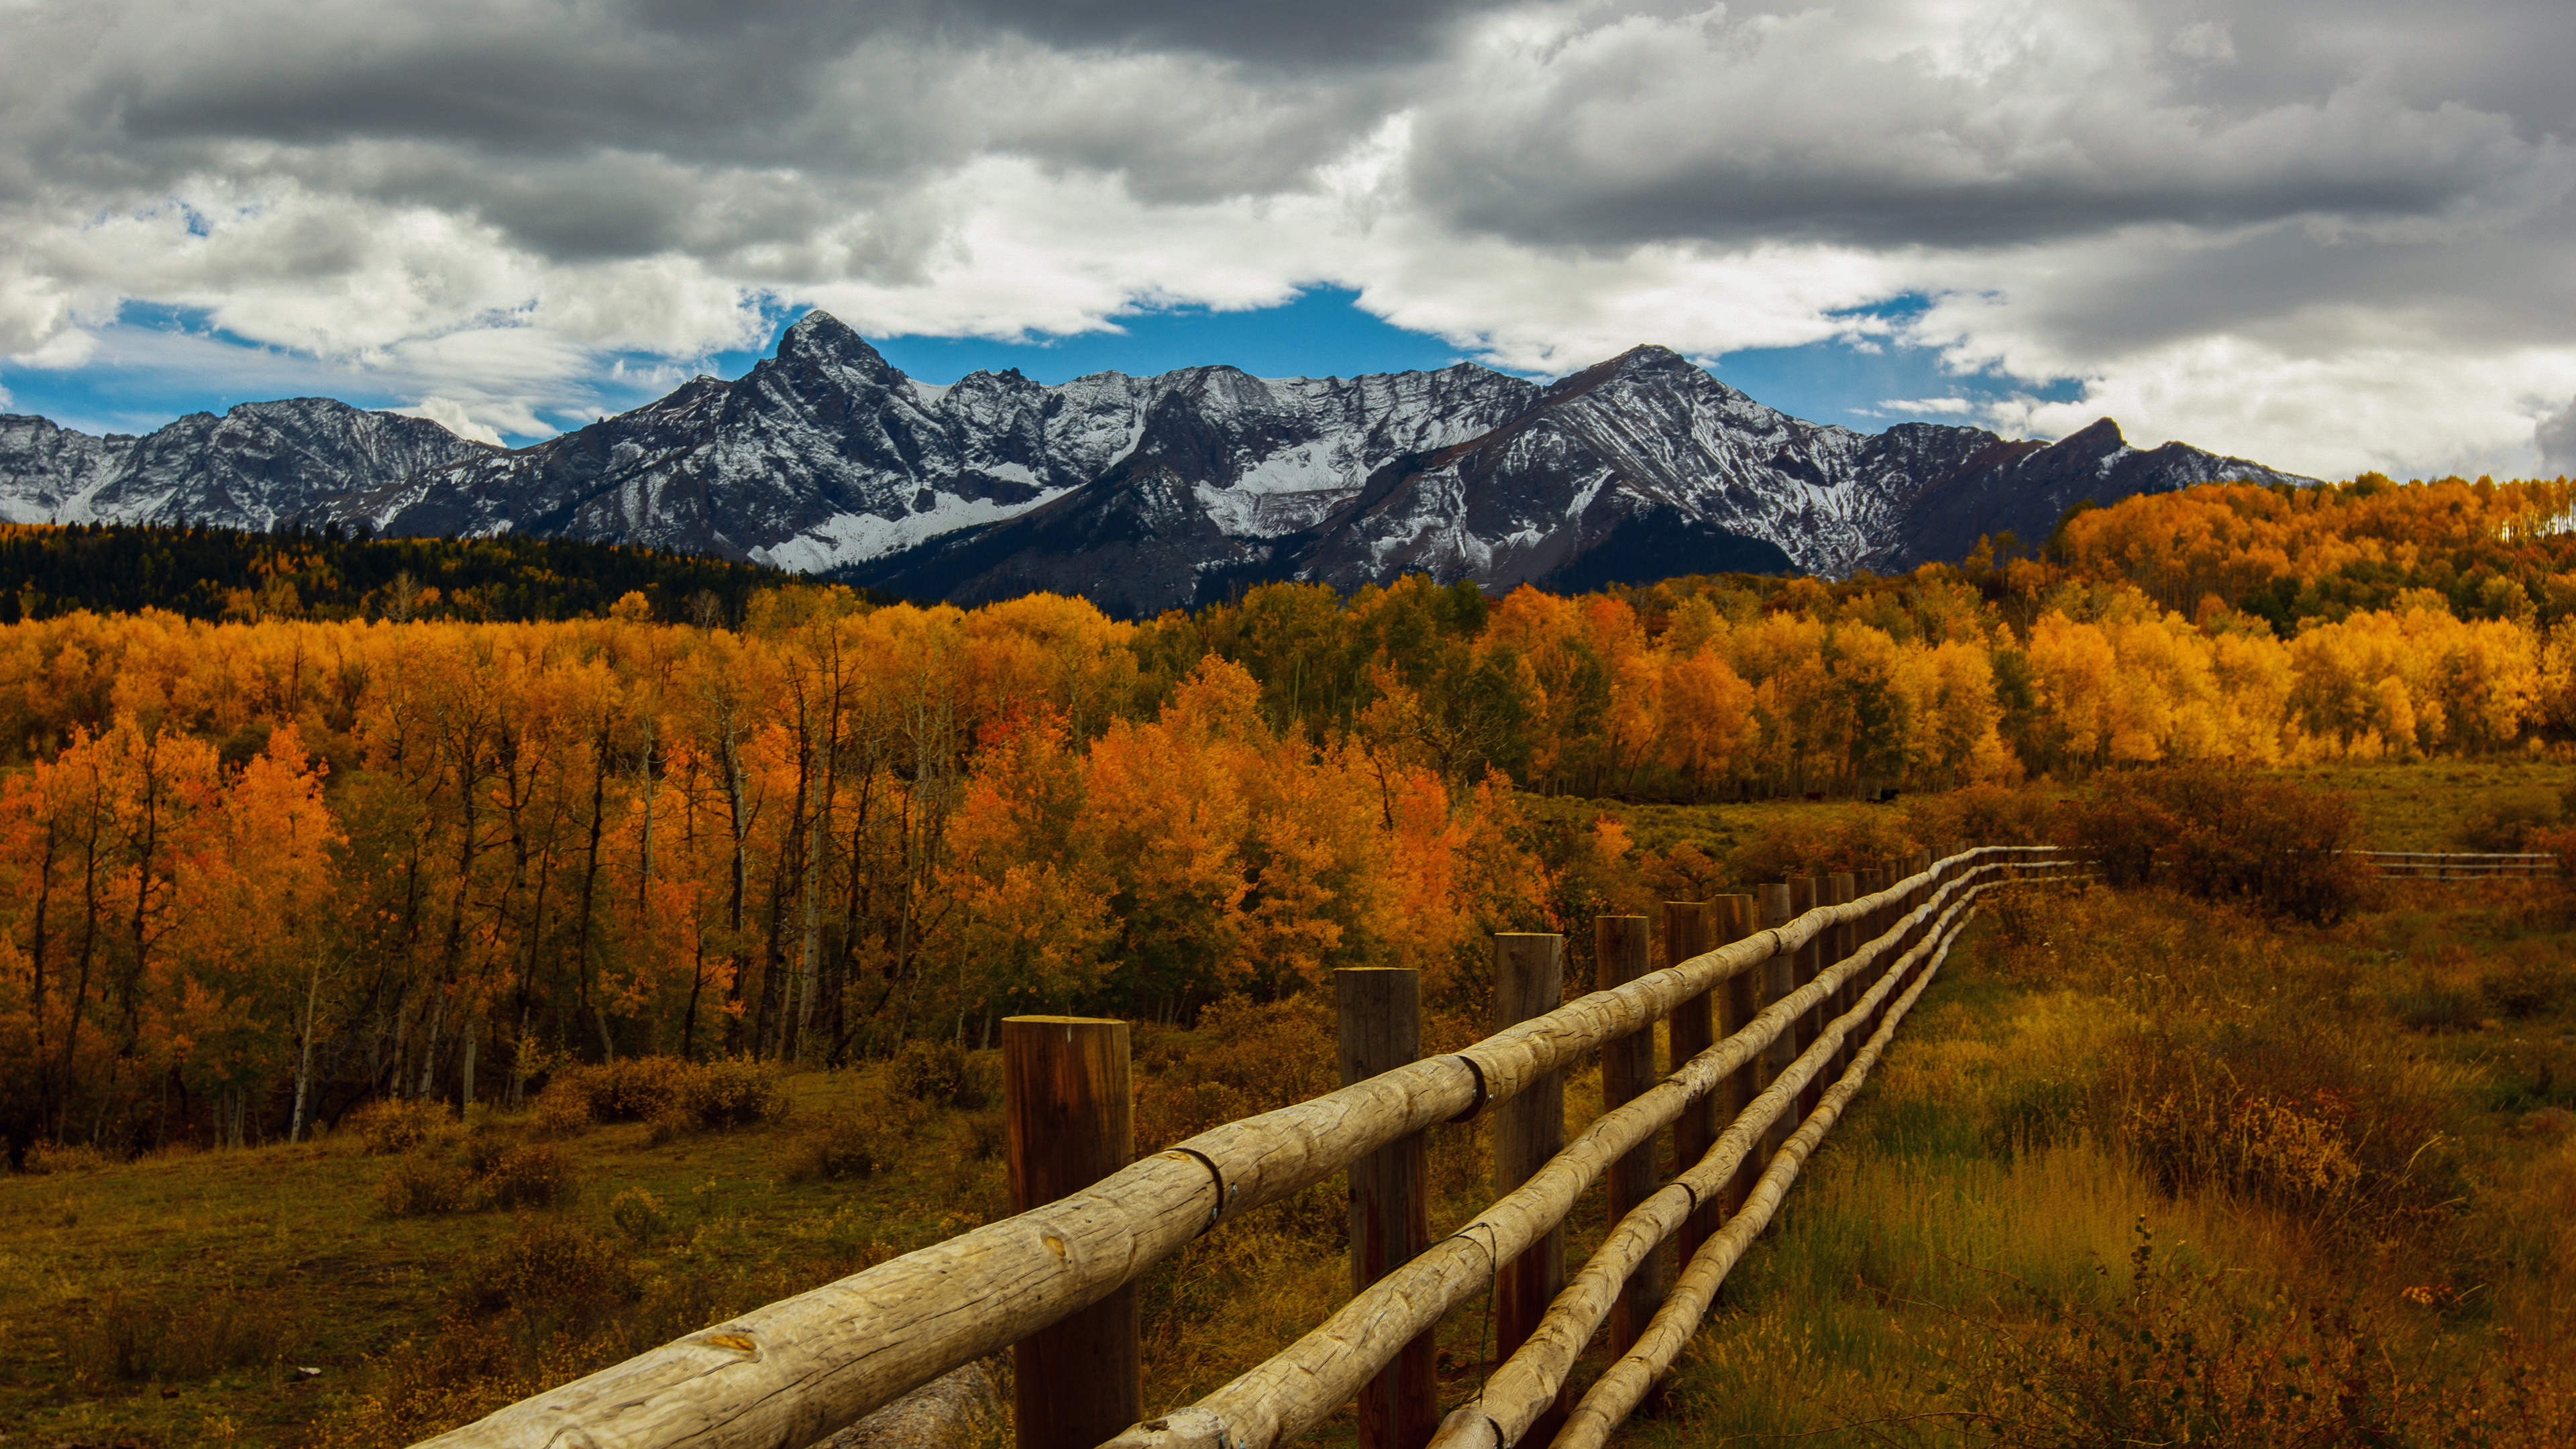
point(157, 363)
point(1871, 382)
point(1321, 333)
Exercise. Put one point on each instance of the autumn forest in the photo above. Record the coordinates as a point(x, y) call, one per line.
point(275, 860)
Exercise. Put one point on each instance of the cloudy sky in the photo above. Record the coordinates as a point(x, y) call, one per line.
point(2330, 236)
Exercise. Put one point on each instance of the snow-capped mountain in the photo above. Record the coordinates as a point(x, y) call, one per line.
point(259, 465)
point(1141, 493)
point(1638, 468)
point(825, 457)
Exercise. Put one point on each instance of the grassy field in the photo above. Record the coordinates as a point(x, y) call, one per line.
point(2132, 1145)
point(169, 1300)
point(2126, 1139)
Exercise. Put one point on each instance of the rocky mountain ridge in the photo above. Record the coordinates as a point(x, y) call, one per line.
point(1142, 493)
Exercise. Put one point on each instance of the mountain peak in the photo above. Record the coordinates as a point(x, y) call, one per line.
point(2100, 433)
point(818, 335)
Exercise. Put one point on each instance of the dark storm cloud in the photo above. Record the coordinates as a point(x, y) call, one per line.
point(2557, 440)
point(693, 128)
point(2077, 184)
point(1745, 125)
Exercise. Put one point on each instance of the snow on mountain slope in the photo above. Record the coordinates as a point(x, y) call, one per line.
point(258, 465)
point(825, 456)
point(1142, 493)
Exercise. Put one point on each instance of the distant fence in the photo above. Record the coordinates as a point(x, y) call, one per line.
point(1777, 1007)
point(2426, 865)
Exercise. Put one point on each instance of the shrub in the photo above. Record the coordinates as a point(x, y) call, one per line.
point(1245, 1057)
point(391, 1125)
point(547, 1264)
point(635, 1089)
point(2300, 1122)
point(531, 1176)
point(56, 1158)
point(630, 1089)
point(672, 1095)
point(563, 1107)
point(2224, 835)
point(849, 1145)
point(1799, 846)
point(419, 1186)
point(1982, 815)
point(937, 1073)
point(732, 1093)
point(638, 1214)
point(2171, 1362)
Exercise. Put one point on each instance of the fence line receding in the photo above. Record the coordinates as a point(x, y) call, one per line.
point(1781, 1004)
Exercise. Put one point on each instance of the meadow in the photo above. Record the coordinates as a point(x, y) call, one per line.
point(2141, 1167)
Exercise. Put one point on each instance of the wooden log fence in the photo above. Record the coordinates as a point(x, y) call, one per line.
point(1775, 1021)
point(2429, 865)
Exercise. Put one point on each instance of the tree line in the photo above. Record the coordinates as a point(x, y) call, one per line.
point(197, 572)
point(257, 871)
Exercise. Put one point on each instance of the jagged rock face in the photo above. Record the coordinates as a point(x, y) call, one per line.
point(258, 465)
point(1141, 493)
point(1645, 436)
point(2025, 488)
point(825, 456)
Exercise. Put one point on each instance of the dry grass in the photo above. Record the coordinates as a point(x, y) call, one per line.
point(2359, 1227)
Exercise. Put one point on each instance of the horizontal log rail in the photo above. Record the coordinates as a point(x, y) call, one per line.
point(794, 1371)
point(2459, 865)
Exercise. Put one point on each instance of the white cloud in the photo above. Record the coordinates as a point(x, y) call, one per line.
point(59, 352)
point(453, 416)
point(1938, 406)
point(2324, 237)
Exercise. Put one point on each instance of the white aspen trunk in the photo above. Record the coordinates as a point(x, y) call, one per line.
point(810, 971)
point(304, 1058)
point(429, 1054)
point(644, 878)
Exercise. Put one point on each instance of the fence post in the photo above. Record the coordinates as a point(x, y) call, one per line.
point(1390, 1207)
point(1804, 896)
point(1069, 1111)
point(1779, 978)
point(1692, 1028)
point(1871, 883)
point(1845, 888)
point(1529, 980)
point(1623, 951)
point(1739, 1001)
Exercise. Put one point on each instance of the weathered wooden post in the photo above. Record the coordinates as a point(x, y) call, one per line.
point(1390, 1210)
point(1844, 889)
point(1779, 978)
point(1623, 950)
point(1689, 930)
point(1529, 980)
point(1804, 896)
point(1069, 1111)
point(1871, 882)
point(1739, 1000)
